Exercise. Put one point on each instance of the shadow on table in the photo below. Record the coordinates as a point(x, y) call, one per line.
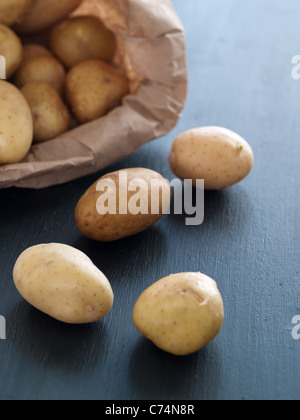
point(43, 340)
point(126, 255)
point(157, 375)
point(223, 210)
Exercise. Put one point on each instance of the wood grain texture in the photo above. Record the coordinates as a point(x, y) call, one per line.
point(240, 77)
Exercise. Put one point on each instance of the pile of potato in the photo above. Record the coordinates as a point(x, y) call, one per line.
point(181, 313)
point(67, 81)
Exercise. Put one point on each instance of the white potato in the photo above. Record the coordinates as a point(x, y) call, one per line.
point(16, 124)
point(181, 313)
point(218, 155)
point(63, 283)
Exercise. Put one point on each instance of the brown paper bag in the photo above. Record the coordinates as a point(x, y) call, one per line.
point(152, 53)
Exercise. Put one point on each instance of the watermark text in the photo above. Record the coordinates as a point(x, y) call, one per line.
point(2, 328)
point(296, 68)
point(296, 329)
point(138, 196)
point(2, 68)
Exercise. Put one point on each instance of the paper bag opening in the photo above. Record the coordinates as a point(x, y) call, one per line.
point(152, 53)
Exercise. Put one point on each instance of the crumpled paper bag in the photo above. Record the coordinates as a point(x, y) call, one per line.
point(152, 53)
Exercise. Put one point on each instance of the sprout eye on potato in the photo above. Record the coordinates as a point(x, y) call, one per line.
point(219, 156)
point(63, 283)
point(181, 313)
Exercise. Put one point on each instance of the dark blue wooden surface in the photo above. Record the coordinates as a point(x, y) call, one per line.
point(239, 55)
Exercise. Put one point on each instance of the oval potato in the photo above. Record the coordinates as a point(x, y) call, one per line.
point(16, 126)
point(82, 38)
point(181, 313)
point(11, 49)
point(50, 115)
point(120, 204)
point(63, 283)
point(83, 84)
point(44, 13)
point(218, 155)
point(12, 11)
point(41, 68)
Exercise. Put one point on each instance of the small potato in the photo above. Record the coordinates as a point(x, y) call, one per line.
point(51, 117)
point(16, 126)
point(94, 88)
point(44, 13)
point(219, 156)
point(82, 38)
point(181, 313)
point(122, 204)
point(63, 283)
point(10, 48)
point(12, 11)
point(34, 50)
point(42, 68)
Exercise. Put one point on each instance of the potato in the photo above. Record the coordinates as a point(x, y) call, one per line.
point(41, 68)
point(16, 126)
point(93, 88)
point(82, 38)
point(11, 11)
point(34, 50)
point(10, 48)
point(44, 13)
point(181, 313)
point(63, 283)
point(219, 156)
point(122, 204)
point(51, 117)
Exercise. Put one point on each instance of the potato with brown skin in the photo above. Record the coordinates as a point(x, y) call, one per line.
point(16, 126)
point(218, 155)
point(34, 50)
point(122, 204)
point(50, 115)
point(44, 13)
point(181, 313)
point(42, 68)
point(93, 88)
point(12, 11)
point(82, 38)
point(10, 48)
